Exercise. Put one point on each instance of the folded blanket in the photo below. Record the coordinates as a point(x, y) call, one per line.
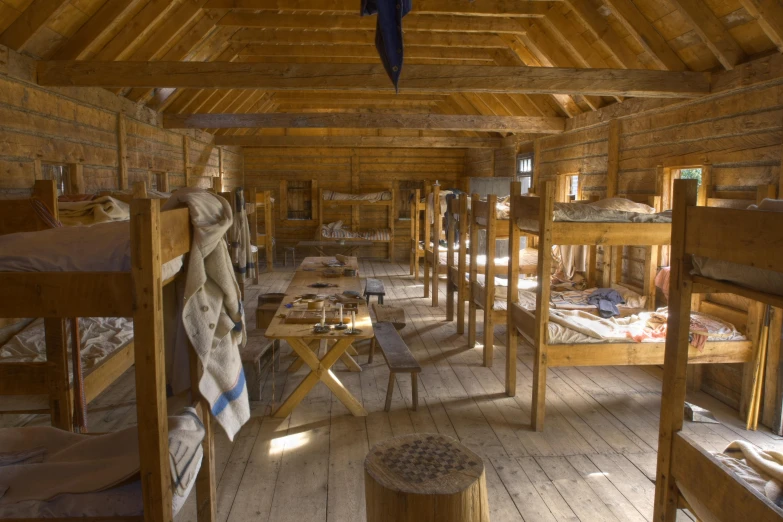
point(213, 318)
point(98, 210)
point(762, 470)
point(330, 195)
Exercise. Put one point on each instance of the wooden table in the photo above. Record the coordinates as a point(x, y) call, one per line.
point(349, 246)
point(317, 263)
point(339, 345)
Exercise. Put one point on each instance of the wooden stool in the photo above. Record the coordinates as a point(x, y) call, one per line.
point(292, 251)
point(389, 314)
point(424, 477)
point(374, 287)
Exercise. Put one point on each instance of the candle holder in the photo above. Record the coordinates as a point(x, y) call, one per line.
point(340, 325)
point(322, 329)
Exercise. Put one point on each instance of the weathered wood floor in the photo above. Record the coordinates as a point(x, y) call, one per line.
point(594, 462)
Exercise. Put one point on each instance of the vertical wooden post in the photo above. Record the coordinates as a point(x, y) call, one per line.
point(163, 182)
point(473, 273)
point(122, 151)
point(45, 191)
point(206, 505)
point(37, 169)
point(427, 238)
point(450, 238)
point(269, 230)
point(536, 179)
point(415, 224)
point(76, 178)
point(464, 226)
point(150, 363)
point(392, 211)
point(436, 230)
point(676, 357)
point(355, 168)
point(613, 161)
point(545, 219)
point(513, 284)
point(706, 190)
point(220, 170)
point(489, 281)
point(186, 158)
point(57, 362)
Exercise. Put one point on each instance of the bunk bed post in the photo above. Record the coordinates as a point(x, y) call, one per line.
point(437, 224)
point(546, 210)
point(206, 506)
point(676, 356)
point(57, 364)
point(473, 274)
point(45, 191)
point(489, 281)
point(513, 293)
point(415, 235)
point(450, 237)
point(461, 262)
point(391, 217)
point(320, 211)
point(269, 231)
point(150, 362)
point(427, 234)
point(253, 223)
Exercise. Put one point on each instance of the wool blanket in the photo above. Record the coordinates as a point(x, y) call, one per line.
point(240, 240)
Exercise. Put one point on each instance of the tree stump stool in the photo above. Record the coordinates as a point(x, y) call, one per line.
point(424, 477)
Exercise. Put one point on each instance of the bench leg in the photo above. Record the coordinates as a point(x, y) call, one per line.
point(389, 392)
point(372, 351)
point(380, 299)
point(415, 386)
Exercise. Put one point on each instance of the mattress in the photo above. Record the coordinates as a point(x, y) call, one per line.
point(335, 231)
point(577, 299)
point(501, 288)
point(104, 247)
point(604, 211)
point(330, 195)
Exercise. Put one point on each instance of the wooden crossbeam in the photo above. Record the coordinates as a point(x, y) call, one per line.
point(366, 121)
point(363, 51)
point(351, 77)
point(272, 36)
point(494, 8)
point(379, 142)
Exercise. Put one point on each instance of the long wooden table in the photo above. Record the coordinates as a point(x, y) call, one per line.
point(339, 344)
point(349, 246)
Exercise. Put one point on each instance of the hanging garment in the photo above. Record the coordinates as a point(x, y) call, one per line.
point(388, 33)
point(606, 299)
point(239, 236)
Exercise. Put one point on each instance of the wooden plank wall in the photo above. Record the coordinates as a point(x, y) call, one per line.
point(479, 163)
point(349, 170)
point(738, 133)
point(505, 162)
point(65, 125)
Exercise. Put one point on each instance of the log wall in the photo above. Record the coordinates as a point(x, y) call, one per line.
point(349, 170)
point(82, 126)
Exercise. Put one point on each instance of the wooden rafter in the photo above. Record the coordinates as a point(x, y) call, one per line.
point(359, 141)
point(134, 31)
point(32, 20)
point(604, 33)
point(769, 14)
point(715, 36)
point(77, 47)
point(490, 8)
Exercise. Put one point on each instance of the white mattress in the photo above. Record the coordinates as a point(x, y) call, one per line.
point(605, 211)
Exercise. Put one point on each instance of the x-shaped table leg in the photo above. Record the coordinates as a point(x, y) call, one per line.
point(320, 371)
point(346, 358)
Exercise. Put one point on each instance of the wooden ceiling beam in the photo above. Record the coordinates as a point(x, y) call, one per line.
point(363, 37)
point(427, 23)
point(363, 51)
point(640, 28)
point(769, 14)
point(30, 22)
point(604, 33)
point(489, 8)
point(379, 142)
point(135, 31)
point(367, 121)
point(424, 79)
point(712, 32)
point(368, 60)
point(80, 44)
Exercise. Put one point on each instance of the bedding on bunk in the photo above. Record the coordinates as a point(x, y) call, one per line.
point(444, 205)
point(213, 318)
point(527, 257)
point(336, 231)
point(761, 470)
point(46, 472)
point(330, 195)
point(239, 239)
point(603, 211)
point(578, 299)
point(98, 210)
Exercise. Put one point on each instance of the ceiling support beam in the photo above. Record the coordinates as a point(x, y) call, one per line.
point(357, 78)
point(366, 121)
point(712, 32)
point(769, 14)
point(379, 142)
point(300, 36)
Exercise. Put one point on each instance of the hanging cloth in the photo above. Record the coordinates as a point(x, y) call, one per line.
point(388, 33)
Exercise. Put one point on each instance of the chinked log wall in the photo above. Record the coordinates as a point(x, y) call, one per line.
point(351, 171)
point(739, 134)
point(81, 126)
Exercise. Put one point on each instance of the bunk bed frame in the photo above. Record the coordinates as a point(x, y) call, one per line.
point(51, 378)
point(416, 251)
point(687, 474)
point(355, 205)
point(457, 260)
point(264, 205)
point(433, 228)
point(534, 326)
point(155, 238)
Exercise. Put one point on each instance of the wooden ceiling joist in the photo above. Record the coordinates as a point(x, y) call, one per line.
point(490, 8)
point(769, 14)
point(376, 142)
point(712, 32)
point(363, 51)
point(32, 20)
point(366, 121)
point(349, 77)
point(363, 37)
point(80, 43)
point(604, 33)
point(135, 31)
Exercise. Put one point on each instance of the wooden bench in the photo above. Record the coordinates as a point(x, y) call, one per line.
point(389, 314)
point(398, 357)
point(374, 287)
point(256, 357)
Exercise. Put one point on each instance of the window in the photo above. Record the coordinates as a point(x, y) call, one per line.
point(59, 173)
point(525, 172)
point(680, 173)
point(573, 193)
point(299, 197)
point(407, 192)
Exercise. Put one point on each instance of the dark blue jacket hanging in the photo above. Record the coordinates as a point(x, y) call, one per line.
point(388, 33)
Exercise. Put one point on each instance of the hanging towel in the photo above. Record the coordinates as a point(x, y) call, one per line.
point(239, 236)
point(212, 314)
point(606, 299)
point(388, 33)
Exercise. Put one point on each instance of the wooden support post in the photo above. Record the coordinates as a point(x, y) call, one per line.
point(122, 151)
point(706, 189)
point(489, 282)
point(45, 191)
point(427, 238)
point(355, 168)
point(150, 364)
point(450, 285)
point(773, 397)
point(512, 297)
point(414, 268)
point(163, 181)
point(76, 179)
point(536, 179)
point(676, 356)
point(206, 505)
point(437, 226)
point(186, 158)
point(462, 261)
point(472, 274)
point(392, 210)
point(57, 360)
point(613, 161)
point(220, 170)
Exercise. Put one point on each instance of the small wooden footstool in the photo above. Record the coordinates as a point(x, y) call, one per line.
point(374, 287)
point(424, 477)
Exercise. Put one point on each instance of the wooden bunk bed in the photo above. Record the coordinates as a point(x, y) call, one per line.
point(417, 250)
point(688, 475)
point(533, 324)
point(264, 206)
point(356, 232)
point(155, 238)
point(434, 265)
point(457, 216)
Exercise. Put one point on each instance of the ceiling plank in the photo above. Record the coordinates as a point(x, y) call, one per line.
point(379, 142)
point(427, 23)
point(366, 121)
point(601, 29)
point(493, 8)
point(78, 45)
point(135, 30)
point(363, 37)
point(769, 14)
point(32, 20)
point(712, 32)
point(348, 77)
point(645, 34)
